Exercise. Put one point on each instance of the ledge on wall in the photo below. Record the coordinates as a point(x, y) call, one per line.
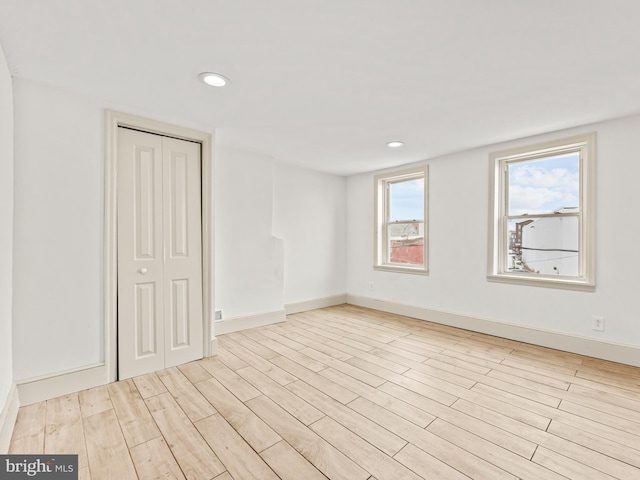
point(605, 350)
point(34, 390)
point(316, 303)
point(268, 318)
point(248, 321)
point(8, 416)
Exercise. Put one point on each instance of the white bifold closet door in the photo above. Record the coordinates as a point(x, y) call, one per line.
point(159, 252)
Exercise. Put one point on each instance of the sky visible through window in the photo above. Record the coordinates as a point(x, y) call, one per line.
point(544, 186)
point(536, 186)
point(406, 200)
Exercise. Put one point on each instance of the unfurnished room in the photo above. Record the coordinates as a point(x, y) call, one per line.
point(319, 239)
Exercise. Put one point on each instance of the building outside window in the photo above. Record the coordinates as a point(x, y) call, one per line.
point(542, 223)
point(400, 217)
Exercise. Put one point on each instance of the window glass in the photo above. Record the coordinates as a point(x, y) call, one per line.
point(542, 224)
point(400, 215)
point(544, 185)
point(406, 200)
point(406, 243)
point(543, 245)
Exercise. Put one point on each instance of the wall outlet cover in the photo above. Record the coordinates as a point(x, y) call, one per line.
point(598, 324)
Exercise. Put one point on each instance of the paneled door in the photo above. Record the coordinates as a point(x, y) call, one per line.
point(159, 252)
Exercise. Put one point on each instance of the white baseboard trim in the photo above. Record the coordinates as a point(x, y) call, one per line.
point(297, 307)
point(249, 321)
point(213, 347)
point(46, 387)
point(603, 349)
point(8, 417)
point(37, 389)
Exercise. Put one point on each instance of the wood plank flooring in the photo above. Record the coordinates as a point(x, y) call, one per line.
point(355, 394)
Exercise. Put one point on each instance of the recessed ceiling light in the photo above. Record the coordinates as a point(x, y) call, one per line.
point(395, 144)
point(214, 79)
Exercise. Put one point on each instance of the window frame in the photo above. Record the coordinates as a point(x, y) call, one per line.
point(381, 219)
point(499, 216)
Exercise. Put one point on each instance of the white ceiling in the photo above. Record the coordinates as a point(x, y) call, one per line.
point(324, 84)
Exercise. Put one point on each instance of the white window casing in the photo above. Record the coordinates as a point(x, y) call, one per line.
point(562, 226)
point(382, 223)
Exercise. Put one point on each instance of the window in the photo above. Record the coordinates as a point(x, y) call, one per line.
point(543, 207)
point(400, 220)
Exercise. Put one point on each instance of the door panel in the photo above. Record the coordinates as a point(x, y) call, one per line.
point(146, 207)
point(179, 205)
point(180, 313)
point(146, 328)
point(183, 263)
point(140, 263)
point(159, 253)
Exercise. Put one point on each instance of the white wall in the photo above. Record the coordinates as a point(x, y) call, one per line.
point(6, 228)
point(458, 212)
point(59, 217)
point(310, 215)
point(59, 224)
point(248, 258)
point(58, 236)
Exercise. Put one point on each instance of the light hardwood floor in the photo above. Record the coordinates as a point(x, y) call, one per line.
point(355, 394)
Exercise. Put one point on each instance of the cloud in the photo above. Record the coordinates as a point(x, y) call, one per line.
point(536, 189)
point(536, 176)
point(407, 200)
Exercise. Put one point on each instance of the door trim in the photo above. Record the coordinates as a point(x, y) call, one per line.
point(113, 120)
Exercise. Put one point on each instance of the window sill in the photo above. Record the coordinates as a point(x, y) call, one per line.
point(547, 282)
point(399, 269)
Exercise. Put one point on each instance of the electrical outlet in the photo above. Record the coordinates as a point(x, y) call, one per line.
point(371, 286)
point(598, 324)
point(218, 315)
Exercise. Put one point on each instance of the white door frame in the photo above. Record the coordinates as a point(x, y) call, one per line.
point(113, 120)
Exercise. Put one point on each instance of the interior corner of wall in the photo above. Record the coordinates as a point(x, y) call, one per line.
point(213, 346)
point(277, 245)
point(244, 322)
point(8, 416)
point(278, 241)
